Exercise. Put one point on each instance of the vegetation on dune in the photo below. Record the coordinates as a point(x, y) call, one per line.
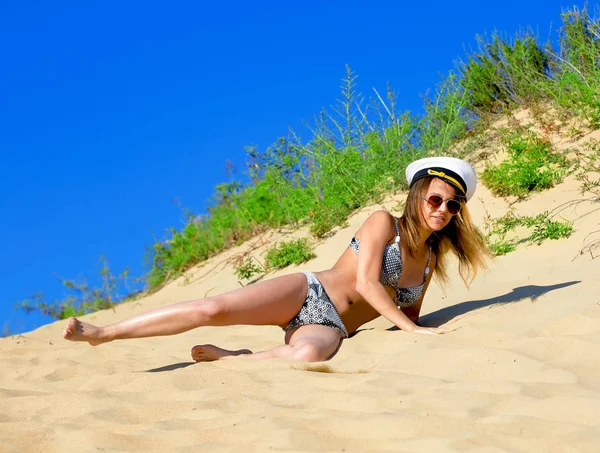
point(6, 332)
point(588, 168)
point(532, 165)
point(81, 298)
point(286, 253)
point(278, 256)
point(503, 74)
point(358, 150)
point(248, 267)
point(541, 227)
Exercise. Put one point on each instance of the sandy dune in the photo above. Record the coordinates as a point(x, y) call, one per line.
point(521, 372)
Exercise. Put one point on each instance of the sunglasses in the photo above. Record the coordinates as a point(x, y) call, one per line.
point(435, 201)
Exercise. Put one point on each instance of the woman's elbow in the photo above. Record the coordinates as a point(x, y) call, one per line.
point(363, 286)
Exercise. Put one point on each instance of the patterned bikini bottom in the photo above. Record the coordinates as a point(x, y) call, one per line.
point(317, 309)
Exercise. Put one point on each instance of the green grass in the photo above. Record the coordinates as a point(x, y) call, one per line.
point(541, 226)
point(356, 151)
point(286, 253)
point(6, 331)
point(588, 167)
point(544, 228)
point(81, 298)
point(248, 268)
point(502, 247)
point(532, 165)
point(503, 73)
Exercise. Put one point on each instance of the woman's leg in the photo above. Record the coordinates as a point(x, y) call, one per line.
point(309, 343)
point(272, 302)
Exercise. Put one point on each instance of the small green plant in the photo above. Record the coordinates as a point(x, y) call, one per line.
point(543, 228)
point(575, 132)
point(532, 166)
point(81, 299)
point(292, 252)
point(6, 332)
point(321, 225)
point(588, 167)
point(247, 268)
point(502, 247)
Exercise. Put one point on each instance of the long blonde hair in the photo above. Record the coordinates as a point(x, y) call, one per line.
point(459, 236)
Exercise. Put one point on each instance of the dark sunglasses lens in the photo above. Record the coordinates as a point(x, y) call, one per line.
point(453, 206)
point(435, 201)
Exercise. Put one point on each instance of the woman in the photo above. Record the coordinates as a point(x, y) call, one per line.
point(385, 271)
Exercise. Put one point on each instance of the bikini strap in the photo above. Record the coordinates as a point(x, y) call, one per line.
point(397, 240)
point(428, 260)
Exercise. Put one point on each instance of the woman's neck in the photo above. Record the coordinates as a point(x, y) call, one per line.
point(424, 234)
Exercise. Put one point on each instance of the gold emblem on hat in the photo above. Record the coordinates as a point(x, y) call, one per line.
point(441, 174)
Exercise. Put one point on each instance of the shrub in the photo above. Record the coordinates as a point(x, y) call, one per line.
point(531, 166)
point(500, 248)
point(247, 268)
point(502, 74)
point(293, 252)
point(588, 167)
point(543, 228)
point(81, 298)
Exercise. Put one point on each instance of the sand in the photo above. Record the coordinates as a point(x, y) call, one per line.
point(521, 372)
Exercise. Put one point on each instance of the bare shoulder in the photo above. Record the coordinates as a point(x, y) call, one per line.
point(382, 216)
point(380, 223)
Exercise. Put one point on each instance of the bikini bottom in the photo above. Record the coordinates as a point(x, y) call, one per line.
point(317, 309)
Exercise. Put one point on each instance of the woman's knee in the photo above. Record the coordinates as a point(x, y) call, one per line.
point(209, 311)
point(309, 352)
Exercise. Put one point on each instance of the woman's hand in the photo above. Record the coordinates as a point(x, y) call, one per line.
point(430, 330)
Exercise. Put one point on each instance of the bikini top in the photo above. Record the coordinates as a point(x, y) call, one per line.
point(391, 270)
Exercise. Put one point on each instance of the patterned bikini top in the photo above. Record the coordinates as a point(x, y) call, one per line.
point(391, 270)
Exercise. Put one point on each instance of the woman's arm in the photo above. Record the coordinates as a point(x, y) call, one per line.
point(413, 311)
point(375, 233)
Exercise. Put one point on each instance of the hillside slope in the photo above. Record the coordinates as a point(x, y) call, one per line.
point(519, 373)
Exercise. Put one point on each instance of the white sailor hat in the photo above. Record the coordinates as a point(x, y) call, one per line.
point(455, 172)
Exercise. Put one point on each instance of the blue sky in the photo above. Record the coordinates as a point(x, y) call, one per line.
point(116, 115)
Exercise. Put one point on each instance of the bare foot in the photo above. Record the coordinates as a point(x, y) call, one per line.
point(210, 352)
point(82, 331)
